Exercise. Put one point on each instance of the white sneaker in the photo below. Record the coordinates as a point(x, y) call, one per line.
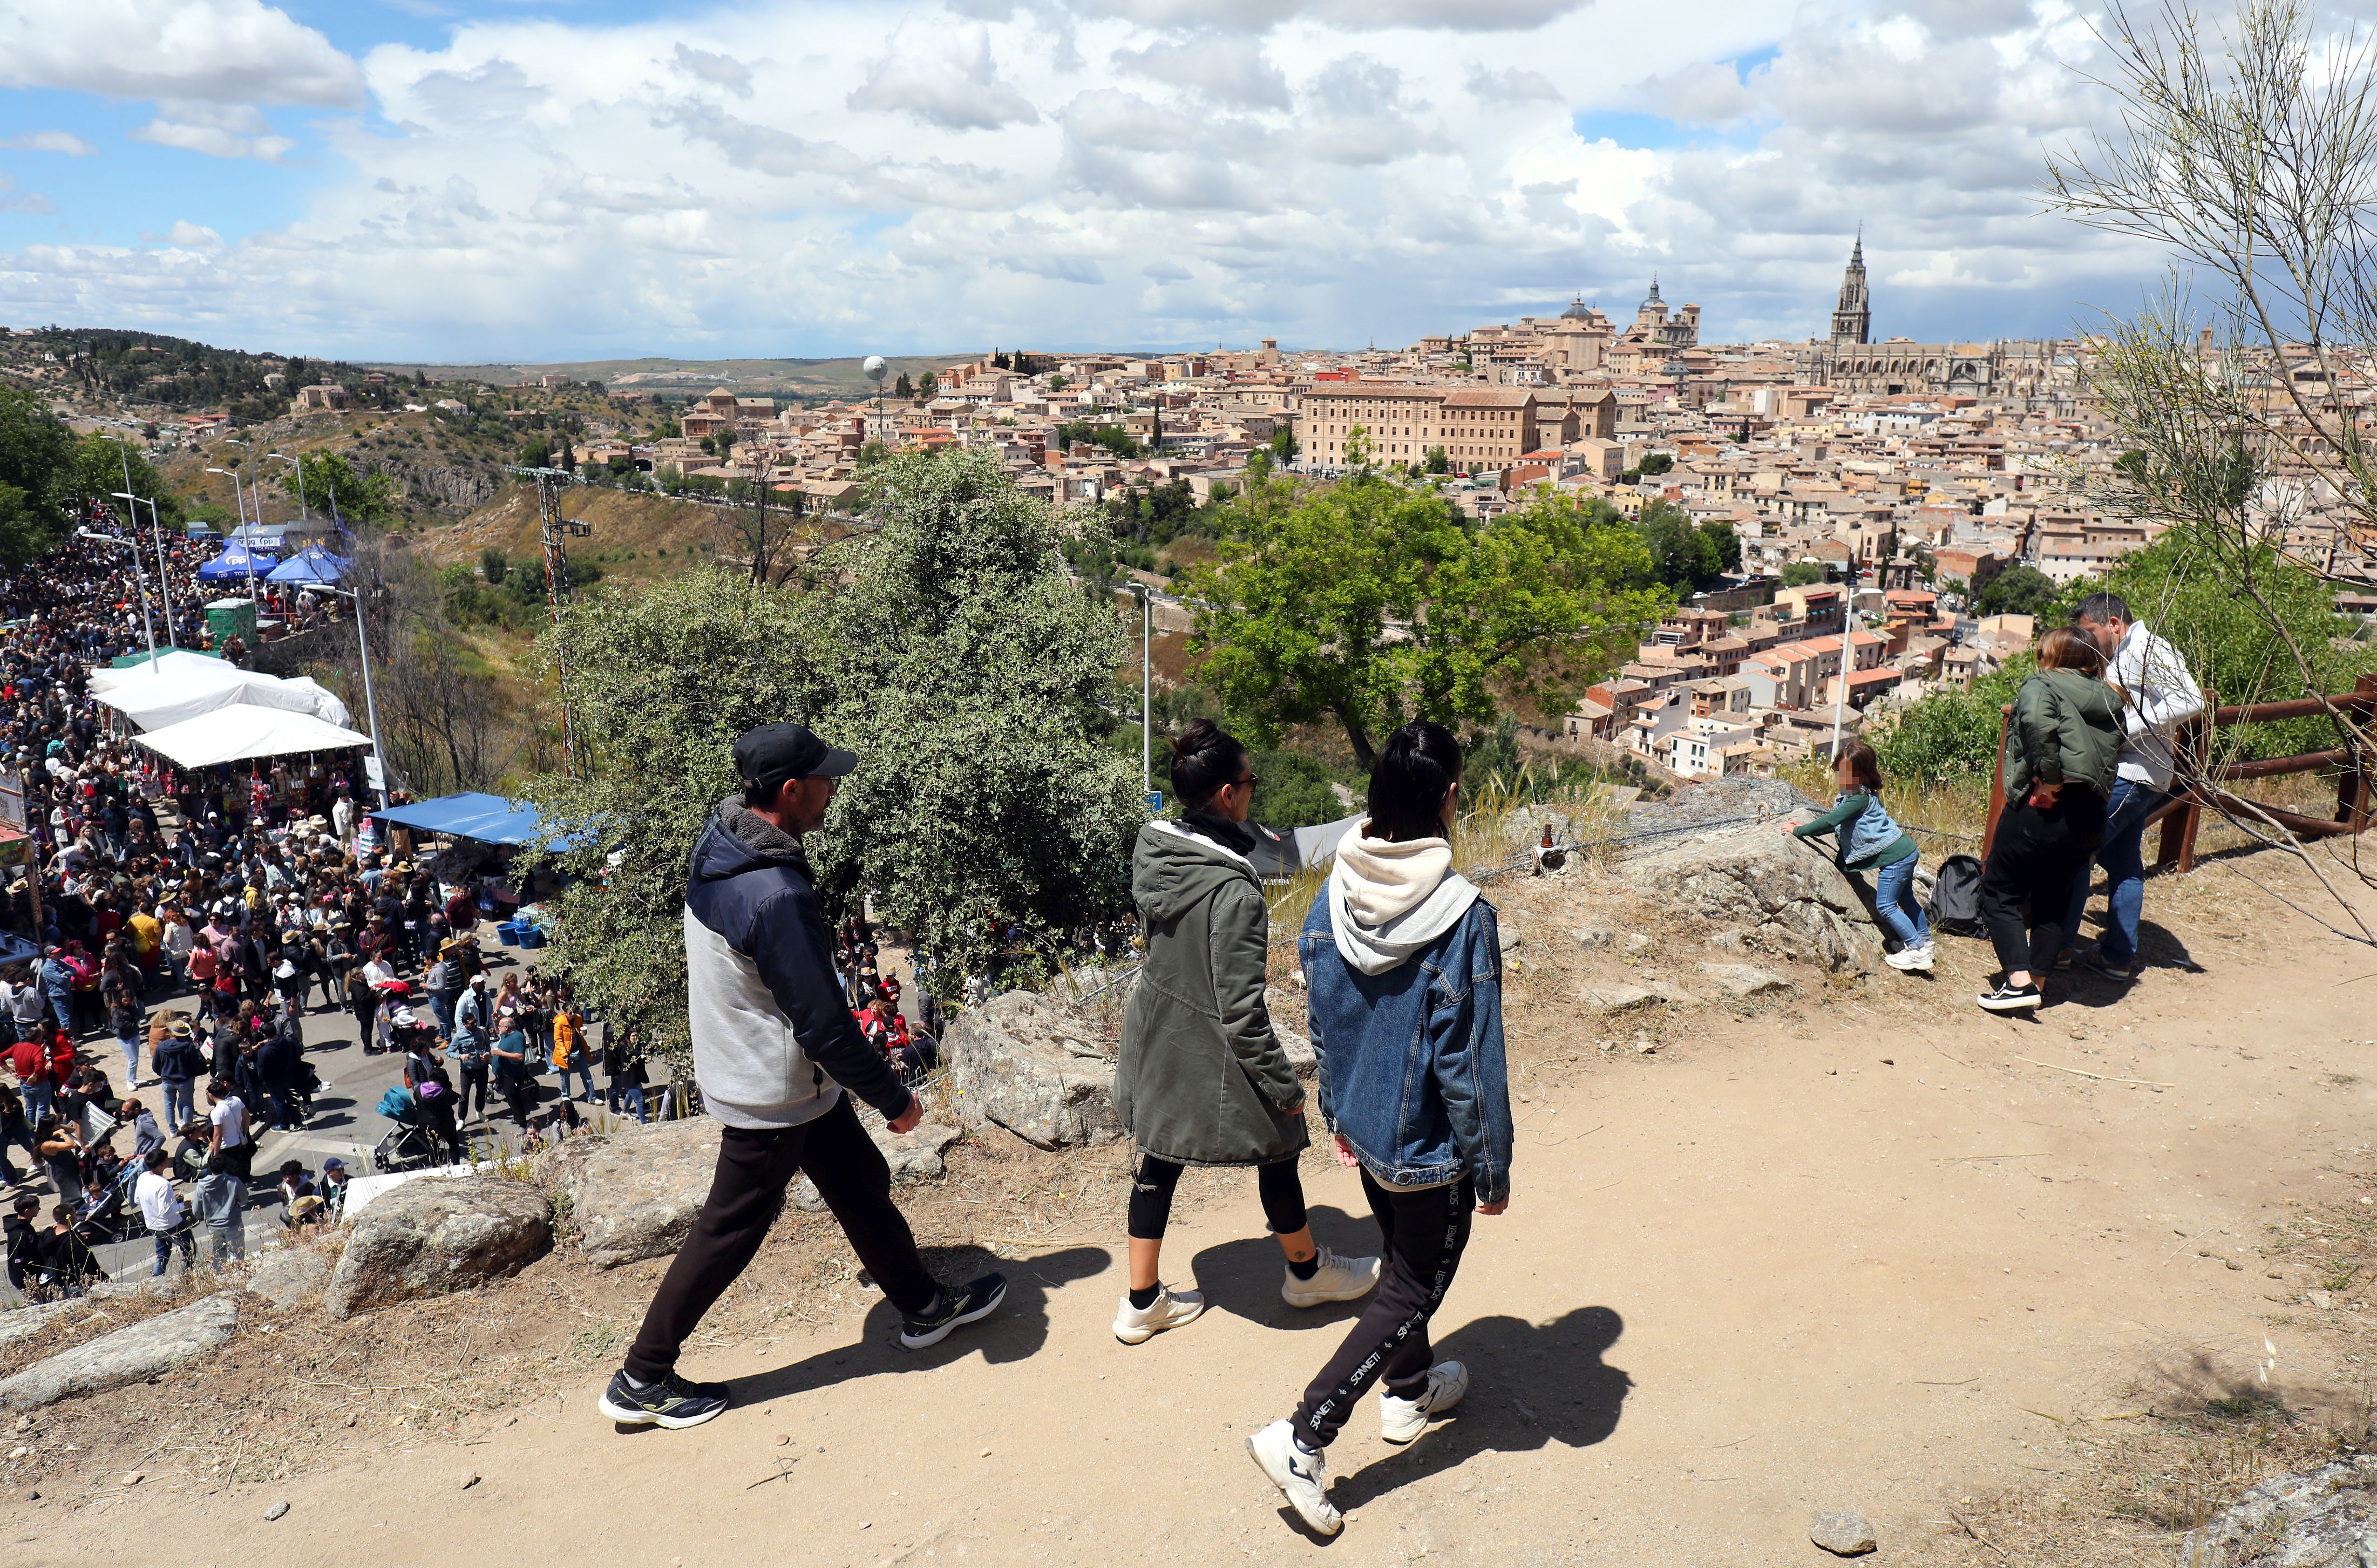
point(1302, 1478)
point(1171, 1308)
point(1336, 1279)
point(1400, 1420)
point(1918, 958)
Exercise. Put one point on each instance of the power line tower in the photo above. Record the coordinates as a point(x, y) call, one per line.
point(554, 531)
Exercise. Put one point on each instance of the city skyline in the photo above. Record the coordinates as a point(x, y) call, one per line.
point(803, 178)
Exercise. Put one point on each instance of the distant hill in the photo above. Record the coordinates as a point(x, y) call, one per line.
point(755, 377)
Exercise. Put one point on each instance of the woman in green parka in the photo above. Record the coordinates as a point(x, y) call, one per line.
point(1203, 1079)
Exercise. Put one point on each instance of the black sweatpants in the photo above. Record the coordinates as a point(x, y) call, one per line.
point(755, 1165)
point(473, 1080)
point(2035, 861)
point(1423, 1234)
point(1277, 1184)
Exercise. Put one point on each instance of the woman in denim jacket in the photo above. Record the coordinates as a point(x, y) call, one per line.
point(1405, 967)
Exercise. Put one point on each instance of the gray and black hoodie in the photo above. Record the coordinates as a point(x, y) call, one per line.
point(773, 1042)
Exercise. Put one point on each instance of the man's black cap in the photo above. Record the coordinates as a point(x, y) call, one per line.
point(768, 756)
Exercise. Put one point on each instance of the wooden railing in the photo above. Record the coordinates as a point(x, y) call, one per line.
point(2199, 780)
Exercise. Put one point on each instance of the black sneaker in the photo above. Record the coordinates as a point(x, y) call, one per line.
point(971, 1304)
point(2012, 998)
point(671, 1401)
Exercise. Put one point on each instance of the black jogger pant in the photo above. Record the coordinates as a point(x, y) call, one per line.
point(1424, 1234)
point(1277, 1184)
point(755, 1165)
point(471, 1079)
point(2035, 861)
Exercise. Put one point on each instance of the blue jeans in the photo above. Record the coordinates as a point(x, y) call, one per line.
point(131, 1059)
point(585, 1075)
point(178, 1102)
point(1894, 901)
point(633, 1095)
point(168, 1240)
point(218, 1198)
point(2123, 858)
point(443, 1006)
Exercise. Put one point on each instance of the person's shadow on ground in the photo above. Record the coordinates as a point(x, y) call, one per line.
point(1015, 1333)
point(1530, 1385)
point(1243, 1275)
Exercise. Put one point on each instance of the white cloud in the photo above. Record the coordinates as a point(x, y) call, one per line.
point(1226, 69)
point(65, 142)
point(193, 237)
point(220, 50)
point(15, 200)
point(219, 131)
point(921, 176)
point(945, 78)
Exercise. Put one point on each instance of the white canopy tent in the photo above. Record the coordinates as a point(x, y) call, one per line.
point(237, 732)
point(184, 690)
point(169, 661)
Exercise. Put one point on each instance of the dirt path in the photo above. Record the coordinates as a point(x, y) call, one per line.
point(1853, 1253)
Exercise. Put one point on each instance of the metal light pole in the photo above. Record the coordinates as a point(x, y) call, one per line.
point(304, 511)
point(247, 546)
point(157, 532)
point(1146, 686)
point(371, 708)
point(1841, 699)
point(139, 577)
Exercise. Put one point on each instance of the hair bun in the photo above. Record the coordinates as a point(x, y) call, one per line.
point(1202, 735)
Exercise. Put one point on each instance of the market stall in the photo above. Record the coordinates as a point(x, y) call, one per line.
point(240, 732)
point(189, 687)
point(484, 834)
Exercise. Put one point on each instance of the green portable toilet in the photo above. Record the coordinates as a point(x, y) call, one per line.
point(228, 618)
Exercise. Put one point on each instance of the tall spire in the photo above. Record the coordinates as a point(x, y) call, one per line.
point(1853, 315)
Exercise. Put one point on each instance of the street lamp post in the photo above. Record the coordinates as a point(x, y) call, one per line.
point(304, 511)
point(139, 577)
point(1146, 686)
point(157, 532)
point(363, 653)
point(247, 546)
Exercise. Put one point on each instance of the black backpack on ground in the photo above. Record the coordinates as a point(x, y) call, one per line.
point(1956, 897)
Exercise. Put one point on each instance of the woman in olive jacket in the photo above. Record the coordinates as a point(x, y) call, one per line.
point(2062, 741)
point(1203, 1079)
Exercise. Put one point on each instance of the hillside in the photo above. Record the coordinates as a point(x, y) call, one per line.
point(636, 538)
point(752, 377)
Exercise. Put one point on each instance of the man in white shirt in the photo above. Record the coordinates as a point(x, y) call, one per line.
point(168, 1216)
point(2157, 696)
point(223, 1191)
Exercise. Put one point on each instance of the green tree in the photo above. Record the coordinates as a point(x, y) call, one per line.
point(903, 388)
point(1283, 445)
point(34, 452)
point(1727, 544)
point(1799, 574)
point(537, 452)
point(26, 530)
point(94, 472)
point(928, 386)
point(1438, 460)
point(358, 497)
point(1361, 602)
point(956, 649)
point(493, 564)
point(1684, 557)
point(1657, 463)
point(1358, 448)
point(2018, 590)
point(662, 681)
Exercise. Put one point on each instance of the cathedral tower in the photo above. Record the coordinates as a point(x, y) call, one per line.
point(1853, 317)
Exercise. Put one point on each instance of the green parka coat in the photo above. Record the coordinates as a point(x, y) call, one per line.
point(2066, 729)
point(1203, 1080)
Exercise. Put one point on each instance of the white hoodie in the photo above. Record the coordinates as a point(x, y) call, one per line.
point(1387, 901)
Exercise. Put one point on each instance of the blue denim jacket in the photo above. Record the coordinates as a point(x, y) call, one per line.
point(1412, 1074)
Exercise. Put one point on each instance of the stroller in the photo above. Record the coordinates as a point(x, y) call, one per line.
point(406, 1145)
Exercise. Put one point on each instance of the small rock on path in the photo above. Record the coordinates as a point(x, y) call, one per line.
point(1842, 1533)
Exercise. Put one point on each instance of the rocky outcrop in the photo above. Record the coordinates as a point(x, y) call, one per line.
point(130, 1355)
point(1020, 1063)
point(428, 1238)
point(290, 1278)
point(1290, 1021)
point(633, 1193)
point(1788, 899)
point(2321, 1518)
point(23, 1322)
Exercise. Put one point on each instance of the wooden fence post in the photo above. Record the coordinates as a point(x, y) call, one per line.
point(1997, 786)
point(2352, 789)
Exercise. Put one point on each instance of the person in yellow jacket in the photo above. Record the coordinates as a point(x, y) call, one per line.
point(571, 1053)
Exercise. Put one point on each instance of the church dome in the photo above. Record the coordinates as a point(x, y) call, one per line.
point(1577, 310)
point(1655, 298)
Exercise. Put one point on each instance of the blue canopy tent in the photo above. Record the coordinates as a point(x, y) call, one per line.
point(235, 564)
point(310, 565)
point(489, 818)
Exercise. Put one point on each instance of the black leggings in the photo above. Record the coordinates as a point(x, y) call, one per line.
point(1151, 1197)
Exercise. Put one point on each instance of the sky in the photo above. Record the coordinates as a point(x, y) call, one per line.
point(550, 180)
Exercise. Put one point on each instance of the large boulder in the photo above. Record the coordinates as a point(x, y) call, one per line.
point(633, 1193)
point(2320, 1518)
point(428, 1238)
point(1290, 1022)
point(914, 1156)
point(1791, 899)
point(1020, 1063)
point(129, 1355)
point(289, 1277)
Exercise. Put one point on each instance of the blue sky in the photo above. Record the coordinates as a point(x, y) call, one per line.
point(563, 180)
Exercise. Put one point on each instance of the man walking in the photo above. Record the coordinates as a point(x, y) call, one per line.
point(2157, 696)
point(769, 1027)
point(471, 1045)
point(167, 1216)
